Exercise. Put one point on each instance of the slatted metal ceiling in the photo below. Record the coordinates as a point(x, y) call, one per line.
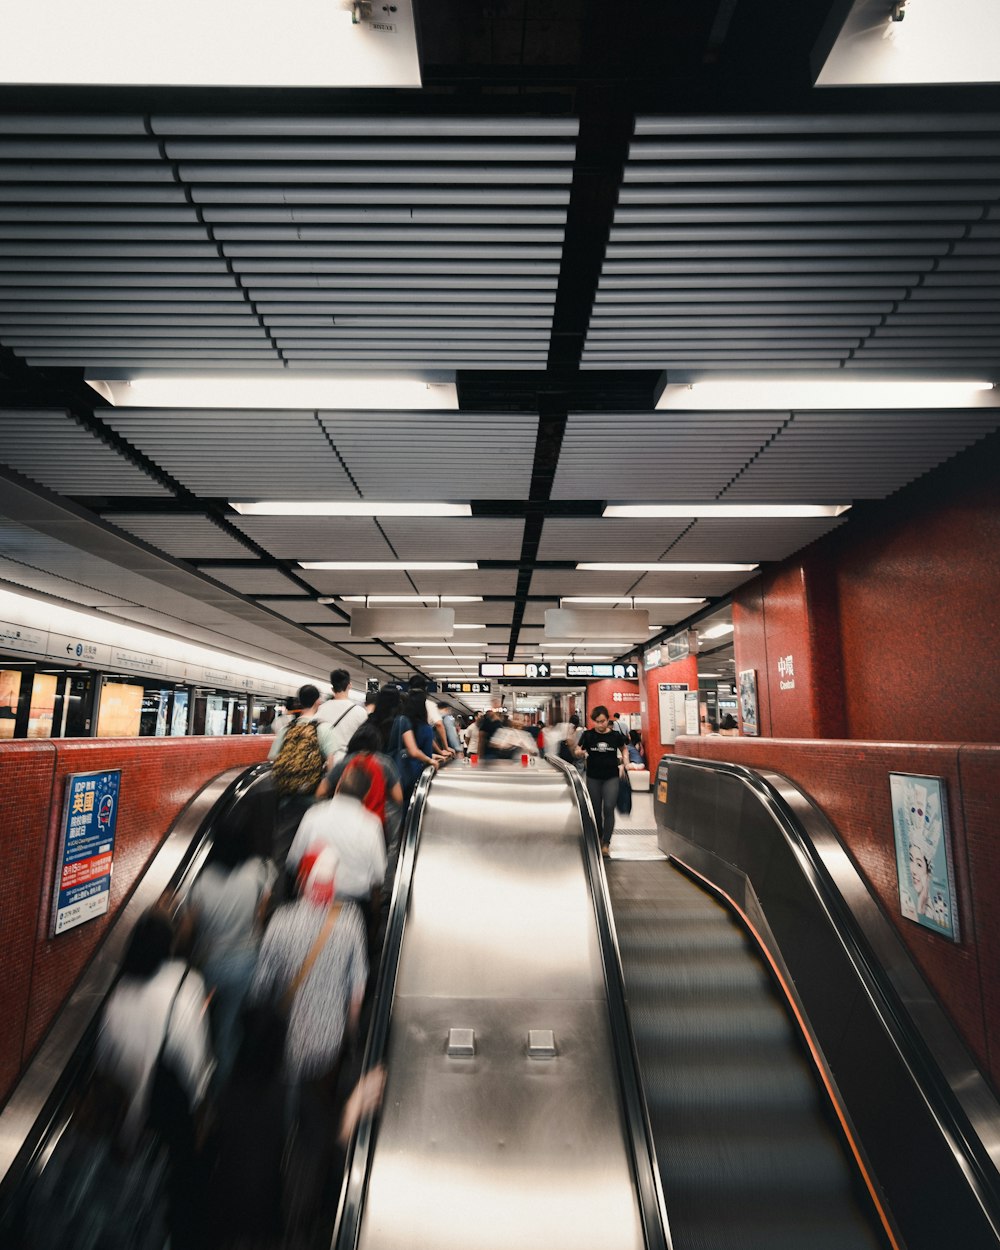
point(260, 242)
point(298, 243)
point(814, 242)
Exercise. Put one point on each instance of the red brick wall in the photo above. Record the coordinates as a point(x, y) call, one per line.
point(603, 693)
point(159, 777)
point(679, 672)
point(849, 782)
point(879, 617)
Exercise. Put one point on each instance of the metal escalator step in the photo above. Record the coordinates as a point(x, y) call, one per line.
point(667, 939)
point(759, 1085)
point(705, 1026)
point(715, 973)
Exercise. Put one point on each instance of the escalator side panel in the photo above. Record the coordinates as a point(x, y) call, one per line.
point(498, 1148)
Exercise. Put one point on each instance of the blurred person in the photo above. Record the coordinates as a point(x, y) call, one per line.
point(728, 727)
point(353, 833)
point(418, 684)
point(384, 798)
point(299, 755)
point(452, 740)
point(413, 742)
point(636, 755)
point(606, 752)
point(470, 736)
point(341, 713)
point(226, 908)
point(513, 740)
point(313, 968)
point(153, 1047)
point(384, 713)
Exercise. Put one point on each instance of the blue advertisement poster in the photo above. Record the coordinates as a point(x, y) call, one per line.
point(923, 853)
point(86, 849)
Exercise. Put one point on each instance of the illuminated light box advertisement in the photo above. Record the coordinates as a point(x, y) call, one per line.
point(749, 719)
point(86, 849)
point(923, 853)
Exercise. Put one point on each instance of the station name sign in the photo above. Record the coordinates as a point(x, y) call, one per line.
point(624, 672)
point(465, 687)
point(497, 669)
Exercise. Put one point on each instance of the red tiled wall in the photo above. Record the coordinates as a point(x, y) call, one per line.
point(603, 693)
point(679, 672)
point(159, 777)
point(880, 615)
point(849, 781)
point(792, 614)
point(26, 773)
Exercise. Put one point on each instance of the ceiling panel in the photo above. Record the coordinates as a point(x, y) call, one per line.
point(564, 538)
point(183, 535)
point(316, 538)
point(817, 207)
point(671, 457)
point(483, 582)
point(558, 582)
point(357, 582)
point(53, 449)
point(248, 580)
point(303, 610)
point(839, 456)
point(749, 539)
point(454, 538)
point(441, 456)
point(241, 455)
point(707, 585)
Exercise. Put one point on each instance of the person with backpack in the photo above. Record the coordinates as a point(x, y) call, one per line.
point(299, 756)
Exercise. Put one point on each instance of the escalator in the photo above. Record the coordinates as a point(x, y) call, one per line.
point(43, 1171)
point(747, 1156)
point(803, 1087)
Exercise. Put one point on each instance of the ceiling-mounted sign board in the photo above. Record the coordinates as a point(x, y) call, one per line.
point(590, 623)
point(395, 624)
point(211, 43)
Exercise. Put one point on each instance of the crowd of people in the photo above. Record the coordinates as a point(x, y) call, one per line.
point(229, 1048)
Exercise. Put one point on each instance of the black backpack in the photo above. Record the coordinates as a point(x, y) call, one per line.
point(299, 765)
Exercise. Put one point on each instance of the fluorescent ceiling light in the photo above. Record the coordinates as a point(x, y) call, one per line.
point(117, 43)
point(937, 41)
point(471, 660)
point(386, 566)
point(470, 626)
point(439, 599)
point(354, 507)
point(700, 675)
point(737, 394)
point(278, 390)
point(717, 631)
point(474, 646)
point(624, 600)
point(709, 510)
point(636, 567)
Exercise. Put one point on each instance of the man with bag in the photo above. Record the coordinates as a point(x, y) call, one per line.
point(299, 756)
point(341, 713)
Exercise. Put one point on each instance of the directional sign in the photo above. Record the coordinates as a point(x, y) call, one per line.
point(623, 672)
point(465, 687)
point(528, 671)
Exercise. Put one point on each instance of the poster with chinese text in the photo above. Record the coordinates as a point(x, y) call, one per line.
point(86, 849)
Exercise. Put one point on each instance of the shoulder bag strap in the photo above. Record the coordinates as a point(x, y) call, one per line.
point(321, 940)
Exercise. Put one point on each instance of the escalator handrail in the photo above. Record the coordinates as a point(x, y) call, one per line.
point(961, 1102)
point(652, 1206)
point(360, 1149)
point(34, 1115)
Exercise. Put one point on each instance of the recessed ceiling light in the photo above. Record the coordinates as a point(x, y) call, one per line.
point(717, 631)
point(474, 646)
point(740, 394)
point(636, 567)
point(470, 626)
point(438, 599)
point(624, 600)
point(722, 510)
point(380, 392)
point(386, 566)
point(353, 507)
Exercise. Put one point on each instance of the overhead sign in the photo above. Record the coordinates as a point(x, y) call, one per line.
point(86, 849)
point(465, 687)
point(497, 669)
point(624, 672)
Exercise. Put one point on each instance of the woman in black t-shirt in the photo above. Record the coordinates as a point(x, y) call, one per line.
point(606, 752)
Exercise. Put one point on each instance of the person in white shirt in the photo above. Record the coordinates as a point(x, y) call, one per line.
point(341, 713)
point(354, 834)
